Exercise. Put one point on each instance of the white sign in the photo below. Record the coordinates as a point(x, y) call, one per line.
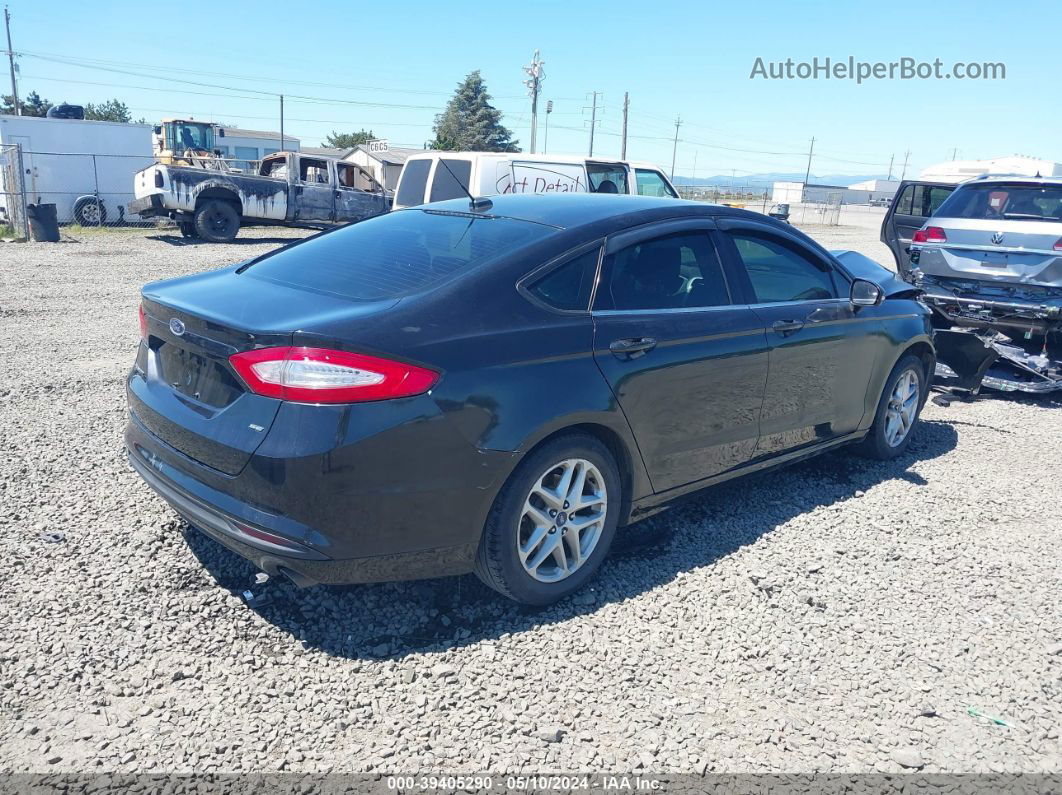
point(378, 146)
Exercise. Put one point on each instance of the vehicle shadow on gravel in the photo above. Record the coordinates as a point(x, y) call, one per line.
point(397, 619)
point(178, 240)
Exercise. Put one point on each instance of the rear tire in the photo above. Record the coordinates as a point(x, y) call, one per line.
point(217, 221)
point(90, 212)
point(562, 522)
point(898, 410)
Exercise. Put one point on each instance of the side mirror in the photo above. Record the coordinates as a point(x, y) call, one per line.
point(866, 293)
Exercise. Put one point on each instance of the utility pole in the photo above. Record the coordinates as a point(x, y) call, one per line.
point(891, 158)
point(11, 63)
point(549, 110)
point(593, 123)
point(623, 144)
point(674, 146)
point(282, 123)
point(533, 83)
point(953, 153)
point(906, 155)
point(807, 174)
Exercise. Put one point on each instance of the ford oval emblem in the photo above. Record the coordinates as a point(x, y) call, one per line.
point(176, 326)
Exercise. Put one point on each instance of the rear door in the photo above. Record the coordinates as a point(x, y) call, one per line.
point(314, 199)
point(687, 364)
point(913, 204)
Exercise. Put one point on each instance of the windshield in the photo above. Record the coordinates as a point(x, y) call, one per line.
point(396, 254)
point(1003, 202)
point(189, 135)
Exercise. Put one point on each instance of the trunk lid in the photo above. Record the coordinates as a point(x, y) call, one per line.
point(1017, 252)
point(186, 392)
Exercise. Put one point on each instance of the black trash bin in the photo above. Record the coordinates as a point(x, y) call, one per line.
point(43, 223)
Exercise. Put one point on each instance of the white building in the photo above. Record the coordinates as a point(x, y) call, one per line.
point(384, 166)
point(959, 170)
point(860, 193)
point(248, 145)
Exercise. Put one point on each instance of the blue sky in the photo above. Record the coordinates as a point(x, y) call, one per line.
point(689, 59)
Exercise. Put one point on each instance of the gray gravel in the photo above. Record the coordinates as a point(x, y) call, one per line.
point(840, 615)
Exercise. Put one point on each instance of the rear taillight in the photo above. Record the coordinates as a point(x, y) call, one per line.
point(931, 234)
point(1058, 244)
point(319, 375)
point(142, 317)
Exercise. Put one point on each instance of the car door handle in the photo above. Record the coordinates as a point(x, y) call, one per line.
point(632, 347)
point(787, 327)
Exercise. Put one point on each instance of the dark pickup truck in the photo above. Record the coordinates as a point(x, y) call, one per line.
point(289, 189)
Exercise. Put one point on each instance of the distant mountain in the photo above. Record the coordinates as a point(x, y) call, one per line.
point(765, 180)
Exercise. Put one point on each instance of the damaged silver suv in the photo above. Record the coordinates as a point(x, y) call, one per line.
point(989, 259)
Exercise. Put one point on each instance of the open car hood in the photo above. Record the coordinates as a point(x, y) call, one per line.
point(863, 267)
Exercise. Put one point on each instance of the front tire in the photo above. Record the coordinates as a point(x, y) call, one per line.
point(553, 521)
point(187, 229)
point(217, 221)
point(898, 410)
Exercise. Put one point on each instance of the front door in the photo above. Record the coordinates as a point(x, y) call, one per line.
point(822, 351)
point(913, 203)
point(687, 365)
point(314, 191)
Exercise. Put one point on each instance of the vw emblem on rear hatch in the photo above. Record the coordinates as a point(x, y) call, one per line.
point(176, 326)
point(997, 238)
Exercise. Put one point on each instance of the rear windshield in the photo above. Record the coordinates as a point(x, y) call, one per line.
point(411, 186)
point(451, 179)
point(403, 252)
point(1001, 202)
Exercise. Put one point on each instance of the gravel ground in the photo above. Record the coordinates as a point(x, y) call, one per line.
point(839, 615)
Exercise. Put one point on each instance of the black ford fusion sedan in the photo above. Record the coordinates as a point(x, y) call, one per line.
point(498, 387)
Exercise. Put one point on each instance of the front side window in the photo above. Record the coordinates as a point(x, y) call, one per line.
point(568, 286)
point(679, 271)
point(451, 179)
point(313, 171)
point(414, 179)
point(607, 178)
point(396, 254)
point(652, 183)
point(780, 272)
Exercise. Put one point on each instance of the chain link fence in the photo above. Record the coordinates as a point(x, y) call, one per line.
point(88, 190)
point(13, 220)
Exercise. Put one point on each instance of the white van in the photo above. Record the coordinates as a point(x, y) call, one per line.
point(437, 176)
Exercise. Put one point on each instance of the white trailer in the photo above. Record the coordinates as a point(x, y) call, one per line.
point(84, 168)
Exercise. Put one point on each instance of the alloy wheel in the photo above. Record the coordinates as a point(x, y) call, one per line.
point(902, 408)
point(562, 521)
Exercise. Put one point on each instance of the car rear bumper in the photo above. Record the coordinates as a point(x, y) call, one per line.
point(261, 520)
point(147, 207)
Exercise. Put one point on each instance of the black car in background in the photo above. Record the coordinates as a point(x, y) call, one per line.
point(498, 387)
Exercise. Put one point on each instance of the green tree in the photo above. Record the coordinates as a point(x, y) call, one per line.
point(471, 123)
point(32, 105)
point(349, 140)
point(111, 110)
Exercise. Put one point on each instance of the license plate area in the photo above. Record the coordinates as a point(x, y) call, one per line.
point(196, 376)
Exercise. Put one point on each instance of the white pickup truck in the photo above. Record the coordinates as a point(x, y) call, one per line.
point(289, 189)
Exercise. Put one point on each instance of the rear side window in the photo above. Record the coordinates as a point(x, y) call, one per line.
point(679, 271)
point(451, 180)
point(922, 201)
point(1002, 202)
point(607, 178)
point(780, 272)
point(568, 286)
point(403, 252)
point(414, 179)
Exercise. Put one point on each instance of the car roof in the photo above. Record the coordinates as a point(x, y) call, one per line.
point(525, 157)
point(992, 179)
point(572, 210)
